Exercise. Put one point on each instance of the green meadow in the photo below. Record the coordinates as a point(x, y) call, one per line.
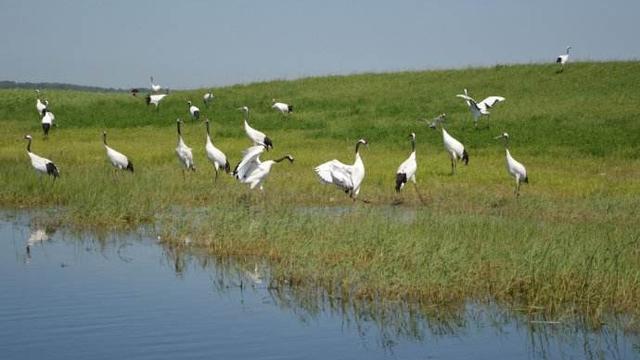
point(569, 244)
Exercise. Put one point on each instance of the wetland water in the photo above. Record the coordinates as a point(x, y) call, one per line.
point(127, 296)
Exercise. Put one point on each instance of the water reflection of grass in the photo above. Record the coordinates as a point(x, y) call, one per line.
point(375, 316)
point(391, 322)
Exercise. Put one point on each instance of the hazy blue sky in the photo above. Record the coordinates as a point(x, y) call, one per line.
point(187, 44)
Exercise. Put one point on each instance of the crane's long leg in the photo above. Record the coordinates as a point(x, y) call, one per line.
point(215, 179)
point(516, 191)
point(453, 167)
point(415, 186)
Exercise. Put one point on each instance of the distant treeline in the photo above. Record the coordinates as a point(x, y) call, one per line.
point(61, 86)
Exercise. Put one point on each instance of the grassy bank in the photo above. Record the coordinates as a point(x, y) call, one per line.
point(570, 242)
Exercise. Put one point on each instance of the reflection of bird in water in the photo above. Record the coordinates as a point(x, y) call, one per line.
point(255, 276)
point(37, 236)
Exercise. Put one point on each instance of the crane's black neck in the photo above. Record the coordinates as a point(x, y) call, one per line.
point(104, 138)
point(29, 145)
point(413, 144)
point(282, 158)
point(178, 125)
point(208, 132)
point(358, 146)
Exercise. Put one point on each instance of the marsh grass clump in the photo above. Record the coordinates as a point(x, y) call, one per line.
point(569, 243)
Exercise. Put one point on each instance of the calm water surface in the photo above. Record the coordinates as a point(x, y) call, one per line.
point(129, 297)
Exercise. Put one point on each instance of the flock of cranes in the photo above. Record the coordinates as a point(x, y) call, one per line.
point(253, 171)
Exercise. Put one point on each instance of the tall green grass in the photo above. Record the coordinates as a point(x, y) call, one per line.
point(569, 243)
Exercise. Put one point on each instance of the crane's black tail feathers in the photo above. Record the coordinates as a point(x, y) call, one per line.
point(52, 170)
point(401, 179)
point(558, 60)
point(227, 167)
point(147, 99)
point(465, 157)
point(290, 108)
point(267, 142)
point(130, 166)
point(196, 115)
point(526, 180)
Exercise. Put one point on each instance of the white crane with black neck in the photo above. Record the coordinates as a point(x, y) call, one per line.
point(194, 111)
point(154, 99)
point(47, 121)
point(454, 148)
point(563, 59)
point(116, 158)
point(514, 168)
point(185, 156)
point(282, 107)
point(348, 178)
point(407, 170)
point(217, 158)
point(251, 170)
point(40, 164)
point(256, 136)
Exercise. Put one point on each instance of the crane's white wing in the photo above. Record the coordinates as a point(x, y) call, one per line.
point(452, 144)
point(259, 173)
point(470, 101)
point(184, 153)
point(250, 160)
point(214, 154)
point(515, 167)
point(282, 107)
point(490, 101)
point(117, 158)
point(38, 162)
point(408, 167)
point(466, 97)
point(336, 172)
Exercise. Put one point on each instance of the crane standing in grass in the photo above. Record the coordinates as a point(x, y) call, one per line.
point(346, 177)
point(514, 168)
point(40, 106)
point(40, 164)
point(207, 98)
point(154, 99)
point(194, 111)
point(407, 170)
point(454, 148)
point(256, 136)
point(117, 159)
point(563, 59)
point(282, 107)
point(218, 158)
point(185, 156)
point(47, 121)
